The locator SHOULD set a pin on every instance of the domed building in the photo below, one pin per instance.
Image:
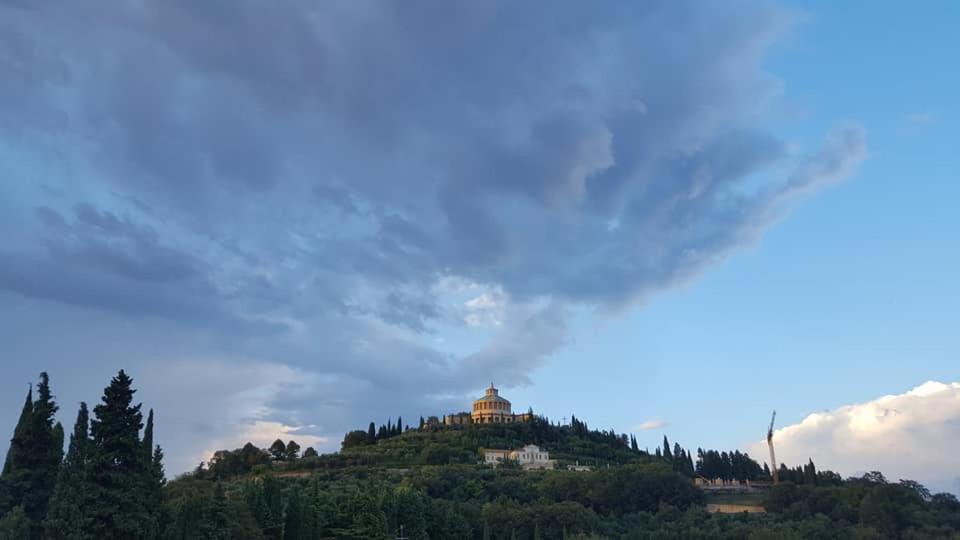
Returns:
(493, 408)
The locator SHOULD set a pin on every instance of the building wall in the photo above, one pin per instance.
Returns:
(457, 419)
(528, 457)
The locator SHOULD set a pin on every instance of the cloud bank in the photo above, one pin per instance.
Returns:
(387, 200)
(913, 436)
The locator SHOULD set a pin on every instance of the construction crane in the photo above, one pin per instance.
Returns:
(773, 459)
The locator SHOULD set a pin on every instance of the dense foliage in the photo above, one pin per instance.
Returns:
(109, 485)
(426, 482)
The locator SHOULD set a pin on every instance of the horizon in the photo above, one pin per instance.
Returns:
(667, 219)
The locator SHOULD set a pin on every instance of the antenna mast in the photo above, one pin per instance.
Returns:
(773, 459)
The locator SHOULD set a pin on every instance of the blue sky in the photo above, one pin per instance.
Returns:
(673, 214)
(850, 297)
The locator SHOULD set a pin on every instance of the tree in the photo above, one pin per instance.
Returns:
(13, 478)
(15, 525)
(309, 452)
(292, 452)
(278, 450)
(666, 449)
(372, 433)
(399, 425)
(66, 518)
(119, 504)
(354, 439)
(30, 472)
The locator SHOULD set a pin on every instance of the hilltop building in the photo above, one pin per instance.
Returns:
(529, 457)
(457, 419)
(493, 408)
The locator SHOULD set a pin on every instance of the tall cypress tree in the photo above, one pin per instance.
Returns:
(152, 478)
(66, 518)
(372, 433)
(666, 449)
(33, 462)
(13, 479)
(119, 507)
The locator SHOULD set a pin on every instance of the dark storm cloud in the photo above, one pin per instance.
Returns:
(303, 180)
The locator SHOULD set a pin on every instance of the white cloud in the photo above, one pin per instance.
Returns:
(912, 435)
(651, 424)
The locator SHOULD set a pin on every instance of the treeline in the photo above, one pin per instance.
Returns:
(373, 434)
(458, 502)
(734, 465)
(451, 502)
(109, 484)
(228, 463)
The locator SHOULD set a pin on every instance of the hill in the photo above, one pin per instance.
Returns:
(430, 482)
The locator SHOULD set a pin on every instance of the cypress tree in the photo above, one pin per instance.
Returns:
(372, 433)
(666, 449)
(399, 425)
(148, 438)
(15, 524)
(152, 473)
(66, 518)
(119, 504)
(33, 462)
(12, 478)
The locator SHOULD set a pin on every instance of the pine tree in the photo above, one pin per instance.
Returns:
(293, 451)
(119, 505)
(278, 450)
(66, 518)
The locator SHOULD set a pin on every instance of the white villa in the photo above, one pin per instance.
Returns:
(529, 457)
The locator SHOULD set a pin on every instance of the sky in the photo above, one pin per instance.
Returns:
(289, 219)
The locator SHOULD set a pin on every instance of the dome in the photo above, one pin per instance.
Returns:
(493, 394)
(491, 408)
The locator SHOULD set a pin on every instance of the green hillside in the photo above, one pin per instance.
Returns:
(461, 444)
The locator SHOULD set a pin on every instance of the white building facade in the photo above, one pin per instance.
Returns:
(529, 457)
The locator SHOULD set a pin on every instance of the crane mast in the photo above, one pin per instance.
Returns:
(773, 460)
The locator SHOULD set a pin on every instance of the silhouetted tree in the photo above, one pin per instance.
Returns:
(278, 450)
